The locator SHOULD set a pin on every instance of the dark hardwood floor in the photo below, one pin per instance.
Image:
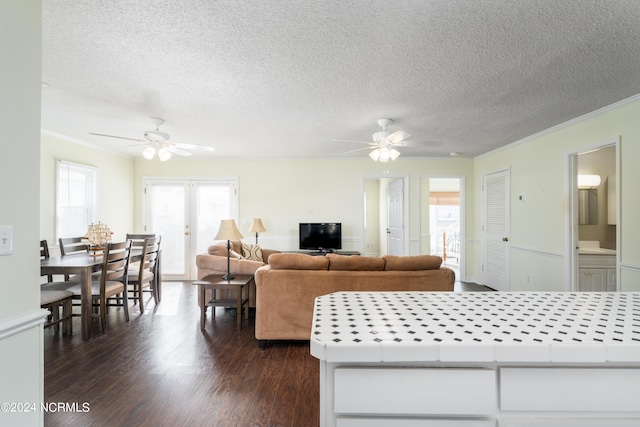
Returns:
(160, 369)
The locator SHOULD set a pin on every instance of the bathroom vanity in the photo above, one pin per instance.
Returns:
(596, 268)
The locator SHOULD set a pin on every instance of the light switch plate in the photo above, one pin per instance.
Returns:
(6, 239)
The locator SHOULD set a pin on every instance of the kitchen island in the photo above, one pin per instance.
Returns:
(478, 359)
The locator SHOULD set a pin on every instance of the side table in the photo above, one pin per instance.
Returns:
(215, 282)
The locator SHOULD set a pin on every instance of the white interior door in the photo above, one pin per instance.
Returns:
(187, 215)
(395, 229)
(495, 230)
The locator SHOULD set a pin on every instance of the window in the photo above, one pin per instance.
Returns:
(76, 205)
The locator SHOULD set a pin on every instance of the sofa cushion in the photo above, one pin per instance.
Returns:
(220, 248)
(298, 262)
(412, 263)
(251, 252)
(355, 263)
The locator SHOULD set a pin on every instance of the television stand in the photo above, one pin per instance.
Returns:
(323, 253)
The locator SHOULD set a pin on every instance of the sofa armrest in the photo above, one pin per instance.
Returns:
(266, 253)
(219, 264)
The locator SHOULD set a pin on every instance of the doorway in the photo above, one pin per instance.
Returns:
(384, 216)
(593, 230)
(442, 220)
(187, 214)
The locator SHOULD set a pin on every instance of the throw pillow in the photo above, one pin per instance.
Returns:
(251, 252)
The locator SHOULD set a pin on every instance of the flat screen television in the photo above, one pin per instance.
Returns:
(320, 236)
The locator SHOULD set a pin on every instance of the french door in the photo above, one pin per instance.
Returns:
(187, 214)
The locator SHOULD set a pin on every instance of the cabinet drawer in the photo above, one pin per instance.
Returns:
(415, 391)
(414, 422)
(566, 389)
(569, 422)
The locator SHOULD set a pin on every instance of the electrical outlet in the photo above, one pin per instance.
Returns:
(6, 239)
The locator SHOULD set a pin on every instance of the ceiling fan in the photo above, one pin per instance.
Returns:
(384, 143)
(157, 142)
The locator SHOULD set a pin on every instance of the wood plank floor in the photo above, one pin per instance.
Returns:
(160, 369)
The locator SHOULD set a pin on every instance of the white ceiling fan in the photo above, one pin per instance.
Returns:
(157, 142)
(384, 143)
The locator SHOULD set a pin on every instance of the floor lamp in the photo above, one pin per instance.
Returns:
(228, 230)
(257, 227)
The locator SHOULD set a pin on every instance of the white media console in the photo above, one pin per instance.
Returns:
(478, 359)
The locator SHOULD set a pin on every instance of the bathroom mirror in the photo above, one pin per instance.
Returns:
(587, 206)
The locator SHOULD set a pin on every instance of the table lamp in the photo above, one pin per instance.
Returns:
(227, 231)
(257, 227)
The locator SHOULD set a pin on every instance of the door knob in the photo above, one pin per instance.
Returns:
(186, 233)
(505, 239)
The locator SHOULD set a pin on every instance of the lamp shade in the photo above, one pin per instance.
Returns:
(256, 226)
(228, 230)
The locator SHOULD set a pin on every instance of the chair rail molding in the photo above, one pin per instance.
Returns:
(15, 325)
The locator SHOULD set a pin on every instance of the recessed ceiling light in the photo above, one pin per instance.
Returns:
(454, 154)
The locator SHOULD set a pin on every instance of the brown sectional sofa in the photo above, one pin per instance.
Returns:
(286, 288)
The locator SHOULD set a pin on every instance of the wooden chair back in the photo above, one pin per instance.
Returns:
(137, 240)
(44, 254)
(115, 263)
(72, 245)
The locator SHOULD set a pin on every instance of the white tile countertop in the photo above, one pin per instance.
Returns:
(522, 327)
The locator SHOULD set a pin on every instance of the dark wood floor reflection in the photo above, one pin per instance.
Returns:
(160, 369)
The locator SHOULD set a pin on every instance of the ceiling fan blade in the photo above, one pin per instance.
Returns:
(397, 137)
(178, 151)
(119, 137)
(358, 149)
(193, 146)
(351, 140)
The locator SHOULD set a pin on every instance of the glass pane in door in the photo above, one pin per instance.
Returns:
(213, 203)
(168, 218)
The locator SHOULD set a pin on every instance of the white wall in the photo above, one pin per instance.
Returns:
(284, 192)
(538, 169)
(21, 351)
(115, 186)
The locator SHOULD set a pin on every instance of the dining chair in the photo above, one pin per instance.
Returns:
(137, 242)
(50, 284)
(53, 296)
(72, 245)
(112, 283)
(145, 275)
(53, 300)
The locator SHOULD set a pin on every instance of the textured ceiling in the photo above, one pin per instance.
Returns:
(287, 78)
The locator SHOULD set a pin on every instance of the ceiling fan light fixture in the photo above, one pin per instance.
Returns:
(164, 154)
(375, 154)
(385, 155)
(393, 153)
(149, 152)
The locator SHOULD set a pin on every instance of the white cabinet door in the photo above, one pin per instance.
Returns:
(592, 280)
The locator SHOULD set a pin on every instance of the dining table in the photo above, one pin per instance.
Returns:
(84, 265)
